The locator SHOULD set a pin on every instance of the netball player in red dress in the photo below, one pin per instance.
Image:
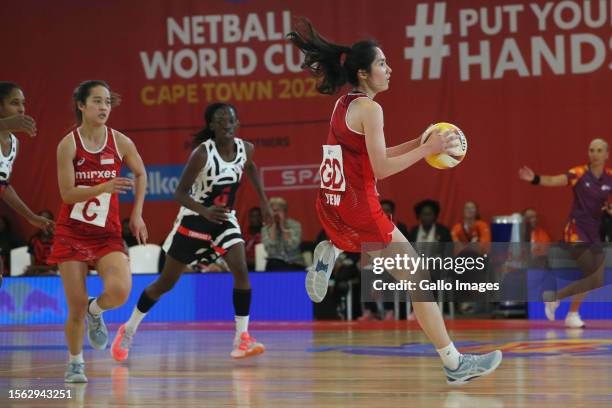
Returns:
(13, 118)
(354, 157)
(88, 231)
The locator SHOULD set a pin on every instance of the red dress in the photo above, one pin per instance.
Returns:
(86, 231)
(348, 204)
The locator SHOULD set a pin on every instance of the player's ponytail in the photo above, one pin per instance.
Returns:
(335, 64)
(207, 133)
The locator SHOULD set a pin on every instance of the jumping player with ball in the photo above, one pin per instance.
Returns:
(354, 157)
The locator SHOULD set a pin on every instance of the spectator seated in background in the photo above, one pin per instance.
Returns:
(388, 208)
(428, 229)
(126, 233)
(472, 238)
(471, 230)
(371, 309)
(8, 241)
(282, 239)
(537, 236)
(429, 232)
(39, 248)
(252, 235)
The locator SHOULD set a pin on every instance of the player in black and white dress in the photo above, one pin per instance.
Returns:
(206, 224)
(12, 117)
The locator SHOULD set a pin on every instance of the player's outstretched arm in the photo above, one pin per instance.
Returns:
(19, 123)
(134, 162)
(251, 171)
(525, 173)
(13, 200)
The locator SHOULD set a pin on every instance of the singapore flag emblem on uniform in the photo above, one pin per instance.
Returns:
(107, 159)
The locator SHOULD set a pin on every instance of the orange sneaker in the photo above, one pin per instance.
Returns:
(246, 346)
(121, 345)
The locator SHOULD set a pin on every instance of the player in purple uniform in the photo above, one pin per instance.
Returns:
(592, 184)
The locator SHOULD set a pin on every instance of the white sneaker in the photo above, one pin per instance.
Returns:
(75, 373)
(473, 366)
(97, 332)
(317, 278)
(573, 320)
(550, 308)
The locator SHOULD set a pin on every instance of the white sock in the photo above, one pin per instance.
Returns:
(571, 314)
(450, 356)
(94, 308)
(242, 325)
(78, 358)
(135, 319)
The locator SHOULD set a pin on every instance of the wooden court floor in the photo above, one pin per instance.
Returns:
(380, 364)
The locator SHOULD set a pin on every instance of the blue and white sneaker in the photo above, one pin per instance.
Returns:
(97, 333)
(317, 278)
(75, 373)
(472, 367)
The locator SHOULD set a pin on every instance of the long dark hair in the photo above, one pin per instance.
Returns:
(6, 88)
(335, 64)
(82, 91)
(207, 133)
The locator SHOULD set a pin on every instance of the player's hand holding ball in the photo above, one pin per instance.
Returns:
(448, 145)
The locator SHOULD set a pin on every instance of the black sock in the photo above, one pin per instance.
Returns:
(242, 301)
(145, 303)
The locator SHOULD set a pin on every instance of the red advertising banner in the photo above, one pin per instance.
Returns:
(527, 81)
